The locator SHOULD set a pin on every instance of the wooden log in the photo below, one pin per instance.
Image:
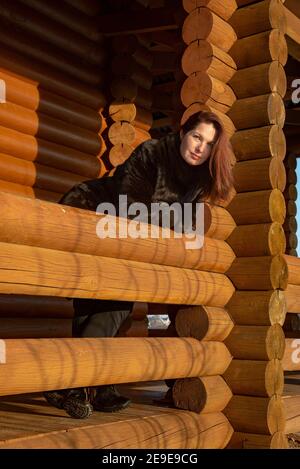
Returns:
(258, 207)
(291, 208)
(30, 21)
(51, 154)
(165, 61)
(131, 45)
(291, 193)
(259, 308)
(36, 175)
(218, 222)
(262, 142)
(261, 174)
(291, 161)
(26, 306)
(292, 252)
(202, 56)
(203, 88)
(61, 278)
(201, 395)
(293, 265)
(262, 16)
(255, 378)
(291, 176)
(256, 342)
(259, 79)
(19, 328)
(270, 240)
(202, 23)
(290, 224)
(137, 430)
(224, 9)
(256, 414)
(259, 49)
(129, 112)
(203, 323)
(119, 360)
(27, 93)
(255, 441)
(120, 153)
(125, 89)
(292, 413)
(258, 111)
(126, 65)
(40, 125)
(48, 54)
(63, 225)
(260, 273)
(291, 358)
(124, 132)
(52, 80)
(20, 190)
(69, 16)
(292, 295)
(291, 240)
(197, 107)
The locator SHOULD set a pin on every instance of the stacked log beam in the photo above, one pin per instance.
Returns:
(206, 61)
(290, 195)
(51, 121)
(260, 271)
(131, 86)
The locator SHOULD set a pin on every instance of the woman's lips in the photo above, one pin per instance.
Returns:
(195, 157)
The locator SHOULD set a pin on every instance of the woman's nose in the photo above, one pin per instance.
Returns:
(201, 146)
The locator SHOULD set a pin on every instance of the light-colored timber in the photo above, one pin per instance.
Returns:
(259, 80)
(75, 275)
(256, 342)
(62, 227)
(223, 8)
(260, 142)
(34, 365)
(262, 16)
(256, 414)
(202, 56)
(255, 377)
(261, 174)
(202, 23)
(270, 240)
(259, 49)
(258, 111)
(141, 426)
(259, 273)
(258, 308)
(200, 87)
(258, 207)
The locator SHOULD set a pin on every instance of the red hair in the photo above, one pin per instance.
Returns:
(219, 164)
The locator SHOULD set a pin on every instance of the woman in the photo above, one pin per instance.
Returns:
(189, 166)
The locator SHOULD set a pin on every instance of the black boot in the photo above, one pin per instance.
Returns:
(108, 399)
(73, 401)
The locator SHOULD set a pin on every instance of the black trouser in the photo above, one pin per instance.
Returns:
(99, 318)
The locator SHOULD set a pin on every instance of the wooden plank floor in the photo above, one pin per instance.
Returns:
(27, 421)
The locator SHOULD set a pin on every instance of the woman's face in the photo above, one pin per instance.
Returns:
(196, 145)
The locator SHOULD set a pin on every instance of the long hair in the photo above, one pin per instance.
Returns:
(219, 165)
